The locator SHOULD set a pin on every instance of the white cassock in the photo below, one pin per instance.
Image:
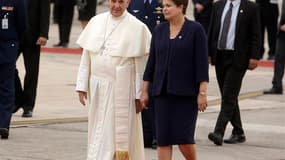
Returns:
(115, 51)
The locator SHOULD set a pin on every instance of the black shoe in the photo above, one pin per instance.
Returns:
(27, 114)
(216, 138)
(274, 90)
(4, 132)
(235, 139)
(61, 44)
(154, 144)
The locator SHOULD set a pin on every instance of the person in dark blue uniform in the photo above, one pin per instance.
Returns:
(150, 13)
(13, 25)
(178, 70)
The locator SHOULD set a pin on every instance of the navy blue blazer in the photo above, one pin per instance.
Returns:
(185, 64)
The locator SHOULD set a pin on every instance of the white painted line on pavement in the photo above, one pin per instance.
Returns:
(247, 126)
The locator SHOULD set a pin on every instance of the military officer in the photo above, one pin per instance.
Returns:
(13, 23)
(150, 13)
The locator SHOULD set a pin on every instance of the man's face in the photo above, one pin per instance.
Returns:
(117, 7)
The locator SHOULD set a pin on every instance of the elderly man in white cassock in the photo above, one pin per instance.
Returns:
(115, 50)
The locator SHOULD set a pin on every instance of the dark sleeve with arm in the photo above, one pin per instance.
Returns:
(21, 18)
(255, 34)
(201, 55)
(45, 18)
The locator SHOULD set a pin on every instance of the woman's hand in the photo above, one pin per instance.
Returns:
(144, 100)
(82, 97)
(202, 102)
(202, 96)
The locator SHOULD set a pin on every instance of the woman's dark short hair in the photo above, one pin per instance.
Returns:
(181, 2)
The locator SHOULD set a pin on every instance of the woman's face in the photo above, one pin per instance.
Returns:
(171, 10)
(117, 7)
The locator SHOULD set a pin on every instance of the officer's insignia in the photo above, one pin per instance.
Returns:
(158, 10)
(136, 11)
(157, 22)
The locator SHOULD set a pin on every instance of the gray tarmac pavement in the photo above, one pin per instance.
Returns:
(58, 129)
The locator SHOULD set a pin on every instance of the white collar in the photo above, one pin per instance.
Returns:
(148, 1)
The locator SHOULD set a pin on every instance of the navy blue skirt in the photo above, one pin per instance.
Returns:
(175, 119)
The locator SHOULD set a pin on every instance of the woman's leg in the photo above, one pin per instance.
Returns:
(164, 152)
(188, 151)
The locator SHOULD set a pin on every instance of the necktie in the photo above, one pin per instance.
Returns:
(226, 27)
(146, 5)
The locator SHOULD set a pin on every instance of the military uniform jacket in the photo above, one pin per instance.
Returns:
(15, 12)
(13, 23)
(150, 16)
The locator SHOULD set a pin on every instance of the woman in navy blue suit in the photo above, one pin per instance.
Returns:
(178, 69)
